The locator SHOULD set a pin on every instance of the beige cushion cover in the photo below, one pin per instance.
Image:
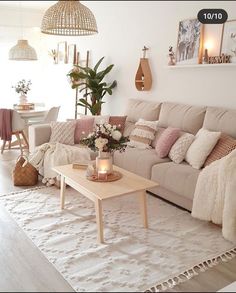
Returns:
(179, 149)
(178, 178)
(138, 161)
(202, 146)
(220, 119)
(187, 118)
(63, 132)
(147, 110)
(224, 146)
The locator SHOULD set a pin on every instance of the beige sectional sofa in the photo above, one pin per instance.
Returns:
(177, 182)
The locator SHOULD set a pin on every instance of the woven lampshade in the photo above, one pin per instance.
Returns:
(69, 18)
(22, 52)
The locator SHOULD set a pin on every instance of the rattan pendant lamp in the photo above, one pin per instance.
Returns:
(69, 18)
(22, 51)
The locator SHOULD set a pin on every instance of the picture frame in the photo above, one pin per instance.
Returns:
(228, 39)
(189, 42)
(72, 54)
(62, 53)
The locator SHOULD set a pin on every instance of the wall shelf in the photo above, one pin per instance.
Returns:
(202, 66)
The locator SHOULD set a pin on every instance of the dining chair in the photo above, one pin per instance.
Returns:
(51, 116)
(18, 126)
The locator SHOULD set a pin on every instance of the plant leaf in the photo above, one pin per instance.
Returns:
(98, 64)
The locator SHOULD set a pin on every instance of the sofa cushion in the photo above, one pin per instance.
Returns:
(178, 178)
(138, 161)
(129, 127)
(142, 109)
(187, 118)
(166, 140)
(63, 132)
(179, 149)
(225, 145)
(83, 127)
(118, 121)
(220, 119)
(143, 134)
(202, 146)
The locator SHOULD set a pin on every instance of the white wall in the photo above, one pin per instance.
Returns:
(124, 27)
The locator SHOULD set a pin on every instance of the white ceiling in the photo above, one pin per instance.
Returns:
(37, 5)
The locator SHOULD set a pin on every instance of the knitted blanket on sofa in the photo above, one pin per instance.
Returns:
(215, 195)
(50, 155)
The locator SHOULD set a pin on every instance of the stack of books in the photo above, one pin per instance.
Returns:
(28, 106)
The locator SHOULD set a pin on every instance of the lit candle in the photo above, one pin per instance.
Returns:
(104, 164)
(102, 175)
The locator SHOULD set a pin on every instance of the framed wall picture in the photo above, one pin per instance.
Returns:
(228, 39)
(62, 53)
(72, 54)
(189, 42)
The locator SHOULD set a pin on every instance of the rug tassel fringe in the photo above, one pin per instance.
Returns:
(194, 271)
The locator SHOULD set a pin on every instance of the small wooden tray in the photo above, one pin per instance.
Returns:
(115, 175)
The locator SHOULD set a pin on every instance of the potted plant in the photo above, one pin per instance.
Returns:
(90, 81)
(22, 88)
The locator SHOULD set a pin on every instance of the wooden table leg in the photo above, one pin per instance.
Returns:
(62, 195)
(143, 207)
(99, 216)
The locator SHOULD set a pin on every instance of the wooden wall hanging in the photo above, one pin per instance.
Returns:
(143, 78)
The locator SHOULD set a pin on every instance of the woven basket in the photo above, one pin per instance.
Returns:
(24, 174)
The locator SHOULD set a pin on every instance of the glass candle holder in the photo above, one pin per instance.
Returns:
(104, 164)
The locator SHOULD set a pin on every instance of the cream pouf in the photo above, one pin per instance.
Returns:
(202, 146)
(180, 147)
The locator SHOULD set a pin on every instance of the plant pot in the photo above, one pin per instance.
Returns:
(104, 162)
(23, 100)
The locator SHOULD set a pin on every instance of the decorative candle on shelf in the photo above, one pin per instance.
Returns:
(102, 175)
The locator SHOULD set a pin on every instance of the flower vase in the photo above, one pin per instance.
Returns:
(104, 162)
(23, 99)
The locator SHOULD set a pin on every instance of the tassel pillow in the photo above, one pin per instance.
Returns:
(166, 140)
(143, 134)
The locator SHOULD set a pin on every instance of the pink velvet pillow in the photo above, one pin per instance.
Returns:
(83, 127)
(119, 121)
(166, 140)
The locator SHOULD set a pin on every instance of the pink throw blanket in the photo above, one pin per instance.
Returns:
(6, 124)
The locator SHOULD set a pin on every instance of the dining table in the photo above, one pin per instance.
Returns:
(38, 114)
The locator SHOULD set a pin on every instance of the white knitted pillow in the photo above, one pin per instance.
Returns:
(63, 132)
(143, 134)
(202, 146)
(179, 149)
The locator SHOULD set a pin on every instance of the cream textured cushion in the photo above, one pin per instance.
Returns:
(143, 134)
(63, 132)
(202, 146)
(180, 147)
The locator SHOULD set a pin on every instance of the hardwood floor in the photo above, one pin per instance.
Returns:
(24, 268)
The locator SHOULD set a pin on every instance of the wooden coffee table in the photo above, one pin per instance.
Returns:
(100, 191)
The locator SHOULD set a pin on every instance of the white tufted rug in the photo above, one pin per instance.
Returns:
(133, 258)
